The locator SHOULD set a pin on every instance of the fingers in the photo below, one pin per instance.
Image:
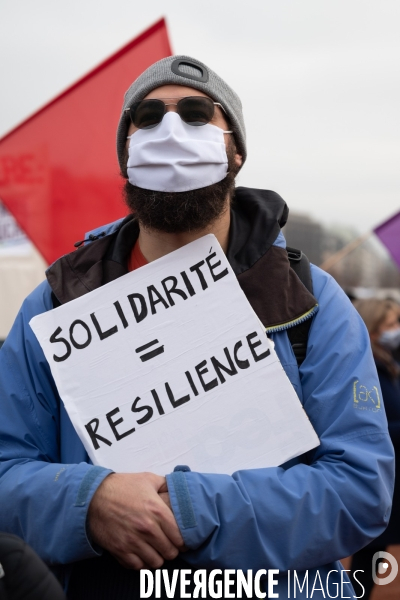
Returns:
(166, 518)
(159, 482)
(131, 520)
(165, 498)
(153, 534)
(164, 487)
(171, 529)
(146, 558)
(131, 561)
(168, 521)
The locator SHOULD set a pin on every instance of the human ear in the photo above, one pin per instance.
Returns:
(238, 160)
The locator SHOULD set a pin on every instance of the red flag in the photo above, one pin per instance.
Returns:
(389, 234)
(59, 173)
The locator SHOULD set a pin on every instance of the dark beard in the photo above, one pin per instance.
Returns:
(176, 212)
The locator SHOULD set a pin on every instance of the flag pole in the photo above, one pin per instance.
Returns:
(340, 254)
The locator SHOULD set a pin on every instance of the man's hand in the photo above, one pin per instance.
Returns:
(128, 518)
(164, 495)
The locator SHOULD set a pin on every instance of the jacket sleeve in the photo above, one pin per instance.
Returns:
(327, 506)
(42, 500)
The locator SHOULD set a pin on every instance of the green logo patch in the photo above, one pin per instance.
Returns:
(365, 399)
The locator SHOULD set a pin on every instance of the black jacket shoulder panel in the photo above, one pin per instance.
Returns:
(256, 220)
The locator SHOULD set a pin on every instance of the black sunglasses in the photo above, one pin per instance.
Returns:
(193, 110)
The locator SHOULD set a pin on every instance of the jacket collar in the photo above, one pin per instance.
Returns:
(257, 217)
(273, 289)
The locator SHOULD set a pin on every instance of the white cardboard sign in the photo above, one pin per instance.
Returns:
(170, 365)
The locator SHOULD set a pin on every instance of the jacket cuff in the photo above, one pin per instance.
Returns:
(88, 486)
(183, 506)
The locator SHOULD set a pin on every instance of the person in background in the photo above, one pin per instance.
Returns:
(23, 575)
(382, 320)
(396, 352)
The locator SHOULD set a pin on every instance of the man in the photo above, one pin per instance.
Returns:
(180, 142)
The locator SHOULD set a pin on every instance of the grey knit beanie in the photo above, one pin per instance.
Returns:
(182, 70)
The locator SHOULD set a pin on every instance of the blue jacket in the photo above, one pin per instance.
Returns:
(304, 515)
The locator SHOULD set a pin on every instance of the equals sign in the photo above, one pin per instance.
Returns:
(150, 354)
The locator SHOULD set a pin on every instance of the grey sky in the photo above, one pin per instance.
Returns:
(319, 81)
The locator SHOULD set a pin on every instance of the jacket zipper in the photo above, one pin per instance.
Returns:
(307, 315)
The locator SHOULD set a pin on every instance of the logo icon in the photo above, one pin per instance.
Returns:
(365, 399)
(383, 568)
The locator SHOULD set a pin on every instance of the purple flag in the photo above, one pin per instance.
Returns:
(389, 234)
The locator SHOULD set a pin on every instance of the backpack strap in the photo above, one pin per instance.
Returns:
(301, 266)
(298, 335)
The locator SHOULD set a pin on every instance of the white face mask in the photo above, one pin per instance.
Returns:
(177, 157)
(390, 339)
